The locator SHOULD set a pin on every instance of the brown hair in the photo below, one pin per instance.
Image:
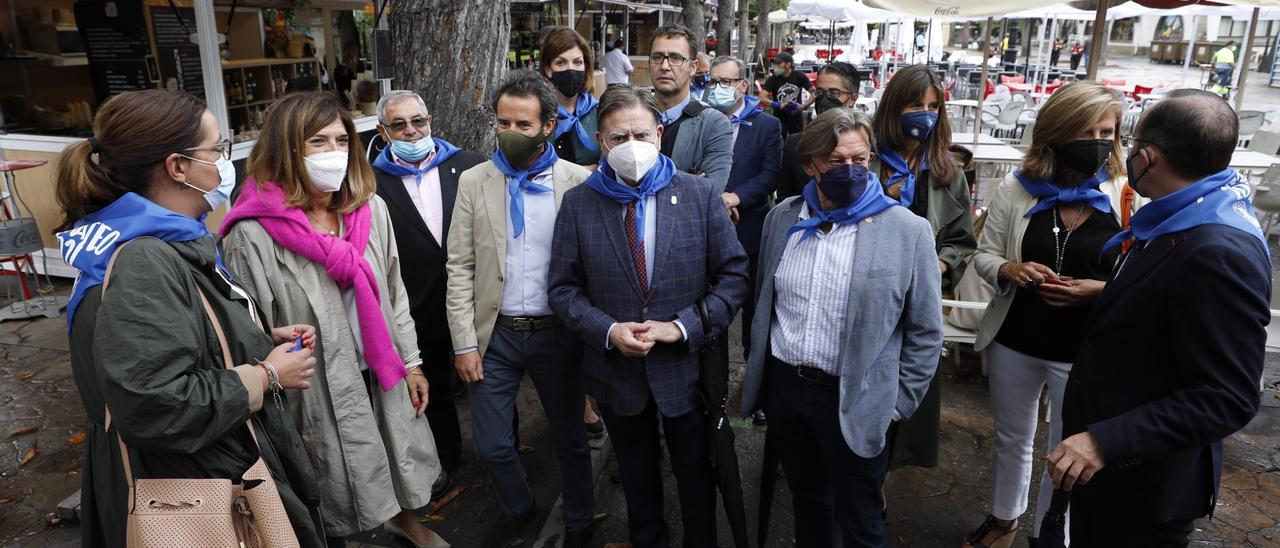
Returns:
(627, 96)
(279, 156)
(561, 39)
(823, 133)
(1069, 112)
(133, 133)
(906, 87)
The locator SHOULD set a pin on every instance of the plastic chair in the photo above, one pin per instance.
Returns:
(1020, 79)
(1250, 122)
(1139, 91)
(1007, 121)
(1116, 83)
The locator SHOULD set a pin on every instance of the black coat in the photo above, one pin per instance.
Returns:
(422, 258)
(1168, 367)
(792, 179)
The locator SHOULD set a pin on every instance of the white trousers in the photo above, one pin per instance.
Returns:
(1016, 381)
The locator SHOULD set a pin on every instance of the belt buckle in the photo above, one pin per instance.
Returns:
(522, 324)
(811, 376)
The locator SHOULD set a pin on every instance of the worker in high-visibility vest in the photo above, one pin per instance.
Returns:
(1224, 64)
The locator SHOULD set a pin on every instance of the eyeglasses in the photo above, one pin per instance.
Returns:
(399, 125)
(676, 61)
(837, 94)
(726, 82)
(223, 147)
(1128, 141)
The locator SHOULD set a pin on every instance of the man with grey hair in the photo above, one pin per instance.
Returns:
(503, 326)
(417, 176)
(847, 332)
(757, 149)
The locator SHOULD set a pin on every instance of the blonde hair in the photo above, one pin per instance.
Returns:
(279, 156)
(1068, 113)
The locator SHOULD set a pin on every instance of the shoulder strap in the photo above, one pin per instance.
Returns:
(1127, 197)
(226, 356)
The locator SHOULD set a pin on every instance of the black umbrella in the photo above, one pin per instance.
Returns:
(1053, 527)
(713, 382)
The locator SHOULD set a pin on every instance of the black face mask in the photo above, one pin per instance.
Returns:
(1084, 156)
(825, 103)
(569, 82)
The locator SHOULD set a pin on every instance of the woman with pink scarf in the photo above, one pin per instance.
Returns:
(308, 238)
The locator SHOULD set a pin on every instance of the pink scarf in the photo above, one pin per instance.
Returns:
(343, 260)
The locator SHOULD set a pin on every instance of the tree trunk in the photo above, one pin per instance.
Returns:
(454, 54)
(695, 21)
(762, 27)
(724, 27)
(744, 30)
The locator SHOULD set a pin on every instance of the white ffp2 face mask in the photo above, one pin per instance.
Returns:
(327, 170)
(632, 159)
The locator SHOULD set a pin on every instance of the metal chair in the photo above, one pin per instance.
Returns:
(1266, 198)
(1266, 142)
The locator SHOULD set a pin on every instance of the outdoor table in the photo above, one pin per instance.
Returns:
(964, 104)
(1249, 160)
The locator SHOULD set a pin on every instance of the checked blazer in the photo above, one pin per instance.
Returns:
(593, 284)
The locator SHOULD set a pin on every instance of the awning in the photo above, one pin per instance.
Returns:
(839, 10)
(641, 6)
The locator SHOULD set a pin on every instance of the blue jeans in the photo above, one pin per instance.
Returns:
(552, 358)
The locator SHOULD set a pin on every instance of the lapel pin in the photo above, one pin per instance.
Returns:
(674, 201)
(453, 170)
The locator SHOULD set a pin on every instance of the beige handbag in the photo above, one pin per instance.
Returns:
(204, 512)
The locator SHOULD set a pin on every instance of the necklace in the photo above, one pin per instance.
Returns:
(1060, 248)
(334, 232)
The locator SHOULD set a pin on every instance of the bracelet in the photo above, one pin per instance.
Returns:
(1000, 271)
(273, 382)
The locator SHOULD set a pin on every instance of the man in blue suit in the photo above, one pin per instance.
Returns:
(757, 152)
(639, 253)
(1174, 349)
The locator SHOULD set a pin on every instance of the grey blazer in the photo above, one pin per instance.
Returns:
(705, 145)
(893, 328)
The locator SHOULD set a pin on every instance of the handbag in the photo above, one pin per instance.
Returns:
(204, 512)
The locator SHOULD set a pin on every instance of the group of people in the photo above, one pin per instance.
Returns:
(605, 243)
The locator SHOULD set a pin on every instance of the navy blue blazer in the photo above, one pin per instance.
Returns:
(593, 284)
(757, 164)
(1168, 367)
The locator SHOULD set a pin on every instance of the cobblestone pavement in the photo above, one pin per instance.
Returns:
(928, 507)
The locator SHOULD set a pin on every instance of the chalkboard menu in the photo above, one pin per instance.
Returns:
(115, 39)
(178, 57)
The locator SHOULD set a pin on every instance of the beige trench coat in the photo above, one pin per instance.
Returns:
(375, 458)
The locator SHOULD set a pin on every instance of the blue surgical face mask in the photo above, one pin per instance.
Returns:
(722, 98)
(918, 125)
(413, 152)
(221, 194)
(843, 184)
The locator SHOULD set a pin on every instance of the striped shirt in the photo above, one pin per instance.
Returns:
(811, 297)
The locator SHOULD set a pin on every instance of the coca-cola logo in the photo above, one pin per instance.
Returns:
(949, 11)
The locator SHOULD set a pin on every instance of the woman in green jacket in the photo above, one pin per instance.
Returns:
(135, 196)
(912, 138)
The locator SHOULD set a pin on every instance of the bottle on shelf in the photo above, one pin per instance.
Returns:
(250, 86)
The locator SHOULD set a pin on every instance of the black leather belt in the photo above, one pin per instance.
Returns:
(815, 375)
(527, 323)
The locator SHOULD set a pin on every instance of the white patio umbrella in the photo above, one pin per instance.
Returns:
(840, 10)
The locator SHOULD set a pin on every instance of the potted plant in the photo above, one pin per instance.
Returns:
(367, 94)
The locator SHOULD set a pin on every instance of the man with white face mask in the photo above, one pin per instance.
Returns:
(757, 152)
(646, 270)
(417, 176)
(502, 325)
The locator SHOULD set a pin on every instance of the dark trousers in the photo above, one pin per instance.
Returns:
(1075, 61)
(1053, 57)
(830, 484)
(749, 305)
(551, 357)
(442, 410)
(636, 444)
(1103, 517)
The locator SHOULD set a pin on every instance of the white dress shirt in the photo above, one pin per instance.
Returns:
(811, 297)
(738, 114)
(424, 190)
(617, 67)
(528, 261)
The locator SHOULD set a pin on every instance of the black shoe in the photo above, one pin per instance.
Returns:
(508, 529)
(580, 538)
(442, 486)
(758, 418)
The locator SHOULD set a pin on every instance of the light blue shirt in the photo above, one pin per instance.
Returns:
(672, 114)
(524, 291)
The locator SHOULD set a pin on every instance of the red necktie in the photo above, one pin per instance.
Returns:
(637, 248)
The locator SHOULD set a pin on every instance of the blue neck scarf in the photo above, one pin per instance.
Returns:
(750, 108)
(89, 245)
(384, 162)
(1222, 198)
(872, 201)
(1051, 194)
(902, 172)
(605, 181)
(520, 180)
(573, 121)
